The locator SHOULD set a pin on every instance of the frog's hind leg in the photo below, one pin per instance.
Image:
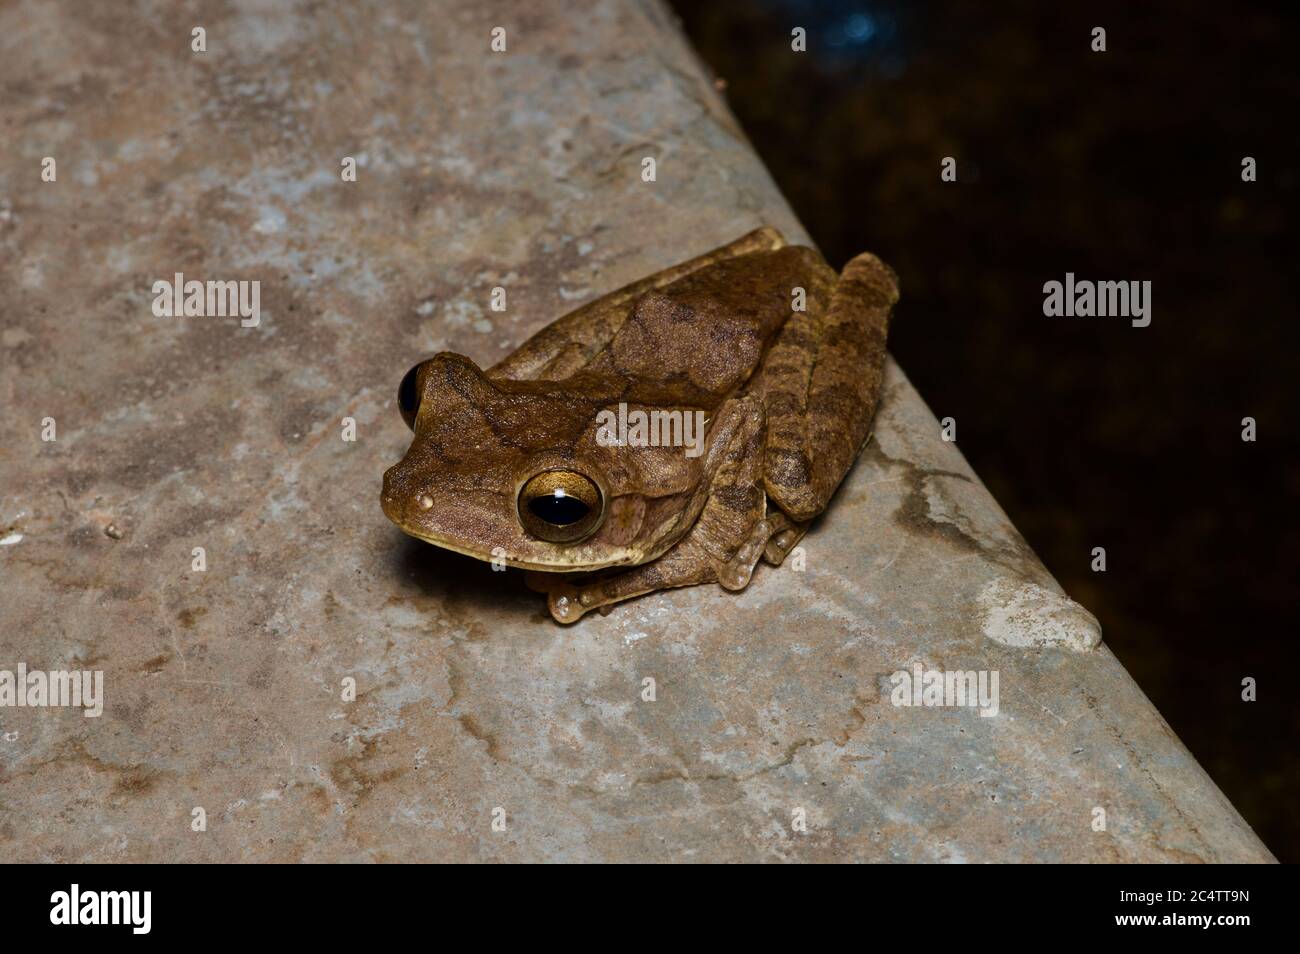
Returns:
(820, 383)
(726, 541)
(566, 345)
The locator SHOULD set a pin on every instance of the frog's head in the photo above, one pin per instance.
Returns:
(512, 471)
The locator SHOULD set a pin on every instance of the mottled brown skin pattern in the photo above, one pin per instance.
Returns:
(789, 398)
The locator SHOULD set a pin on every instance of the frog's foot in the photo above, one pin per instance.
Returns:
(563, 593)
(735, 573)
(691, 562)
(565, 603)
(785, 534)
(569, 600)
(688, 564)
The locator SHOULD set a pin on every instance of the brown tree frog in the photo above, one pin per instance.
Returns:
(673, 432)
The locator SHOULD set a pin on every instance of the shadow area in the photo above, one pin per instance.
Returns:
(465, 590)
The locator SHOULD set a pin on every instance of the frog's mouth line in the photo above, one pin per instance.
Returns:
(621, 558)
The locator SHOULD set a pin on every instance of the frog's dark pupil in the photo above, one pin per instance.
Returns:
(558, 511)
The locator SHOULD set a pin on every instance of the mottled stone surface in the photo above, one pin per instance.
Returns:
(223, 687)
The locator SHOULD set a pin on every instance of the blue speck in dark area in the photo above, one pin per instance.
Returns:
(848, 34)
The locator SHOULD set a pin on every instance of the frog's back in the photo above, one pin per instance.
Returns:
(705, 334)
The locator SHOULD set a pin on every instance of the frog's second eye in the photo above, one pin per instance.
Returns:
(560, 506)
(408, 395)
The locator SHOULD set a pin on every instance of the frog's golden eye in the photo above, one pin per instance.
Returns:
(560, 506)
(408, 395)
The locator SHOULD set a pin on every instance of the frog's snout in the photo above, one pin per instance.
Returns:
(397, 501)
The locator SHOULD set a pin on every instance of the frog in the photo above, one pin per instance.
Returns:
(778, 357)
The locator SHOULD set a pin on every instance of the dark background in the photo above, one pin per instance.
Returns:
(1123, 165)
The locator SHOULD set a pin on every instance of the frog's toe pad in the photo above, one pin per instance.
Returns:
(735, 575)
(779, 547)
(565, 602)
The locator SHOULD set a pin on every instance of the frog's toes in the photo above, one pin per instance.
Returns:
(735, 573)
(785, 534)
(735, 576)
(779, 547)
(566, 603)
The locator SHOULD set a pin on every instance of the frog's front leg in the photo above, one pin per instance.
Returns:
(727, 539)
